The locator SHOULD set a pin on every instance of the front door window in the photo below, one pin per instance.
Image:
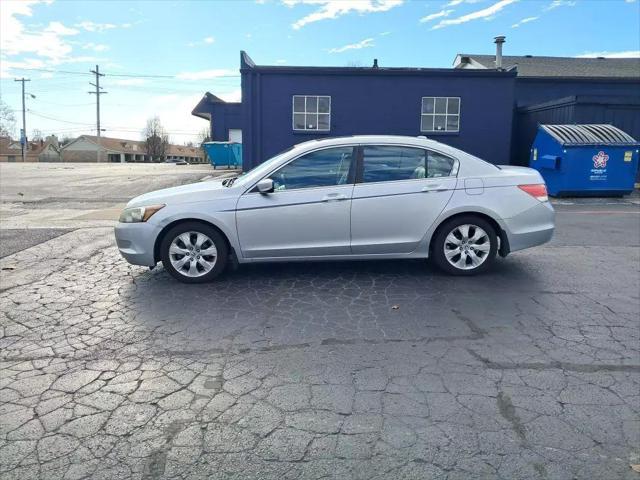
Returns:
(322, 168)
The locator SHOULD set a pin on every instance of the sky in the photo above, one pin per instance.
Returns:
(160, 57)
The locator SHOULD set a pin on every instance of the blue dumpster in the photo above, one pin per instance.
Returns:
(585, 160)
(226, 154)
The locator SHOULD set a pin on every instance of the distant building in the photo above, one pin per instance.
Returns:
(487, 105)
(46, 150)
(85, 148)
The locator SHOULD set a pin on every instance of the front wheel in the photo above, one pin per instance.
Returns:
(194, 252)
(465, 245)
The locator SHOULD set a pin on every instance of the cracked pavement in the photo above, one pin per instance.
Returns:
(377, 370)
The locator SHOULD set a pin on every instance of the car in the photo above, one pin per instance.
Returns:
(349, 198)
(176, 161)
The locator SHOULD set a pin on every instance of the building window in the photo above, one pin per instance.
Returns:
(440, 114)
(311, 113)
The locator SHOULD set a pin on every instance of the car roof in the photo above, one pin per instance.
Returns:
(420, 141)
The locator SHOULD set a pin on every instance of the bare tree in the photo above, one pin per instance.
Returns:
(36, 135)
(66, 139)
(156, 140)
(7, 121)
(203, 136)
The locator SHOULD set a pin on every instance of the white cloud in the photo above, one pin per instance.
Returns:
(233, 96)
(605, 54)
(366, 43)
(17, 39)
(204, 41)
(433, 16)
(96, 47)
(206, 74)
(90, 26)
(524, 20)
(281, 61)
(453, 3)
(7, 65)
(485, 13)
(58, 28)
(130, 81)
(560, 3)
(332, 9)
(384, 34)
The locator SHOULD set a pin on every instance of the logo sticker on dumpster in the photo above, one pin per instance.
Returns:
(599, 170)
(600, 160)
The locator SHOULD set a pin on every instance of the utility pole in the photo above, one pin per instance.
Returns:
(23, 139)
(97, 93)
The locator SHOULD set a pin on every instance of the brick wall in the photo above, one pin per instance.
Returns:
(82, 156)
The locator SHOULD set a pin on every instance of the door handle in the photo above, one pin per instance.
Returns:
(333, 197)
(434, 188)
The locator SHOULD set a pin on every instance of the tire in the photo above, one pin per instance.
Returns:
(463, 252)
(194, 252)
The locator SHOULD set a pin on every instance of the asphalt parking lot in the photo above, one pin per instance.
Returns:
(377, 370)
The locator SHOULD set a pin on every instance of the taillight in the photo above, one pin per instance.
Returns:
(537, 190)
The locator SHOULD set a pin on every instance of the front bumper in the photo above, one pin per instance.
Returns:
(530, 228)
(136, 242)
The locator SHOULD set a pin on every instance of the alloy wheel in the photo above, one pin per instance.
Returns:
(467, 246)
(193, 254)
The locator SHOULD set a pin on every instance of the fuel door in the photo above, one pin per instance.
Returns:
(473, 186)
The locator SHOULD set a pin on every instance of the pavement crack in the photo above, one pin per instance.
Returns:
(554, 365)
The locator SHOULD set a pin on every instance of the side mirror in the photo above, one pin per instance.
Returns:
(265, 185)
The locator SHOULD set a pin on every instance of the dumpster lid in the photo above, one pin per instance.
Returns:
(603, 134)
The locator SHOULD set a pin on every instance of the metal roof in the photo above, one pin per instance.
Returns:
(589, 135)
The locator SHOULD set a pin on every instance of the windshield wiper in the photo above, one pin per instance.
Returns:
(229, 181)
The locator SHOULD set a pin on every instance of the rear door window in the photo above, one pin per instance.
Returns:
(388, 163)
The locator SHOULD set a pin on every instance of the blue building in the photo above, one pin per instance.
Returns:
(484, 105)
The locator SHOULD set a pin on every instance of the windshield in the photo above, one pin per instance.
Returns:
(257, 172)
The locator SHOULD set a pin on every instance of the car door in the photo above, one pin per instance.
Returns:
(399, 193)
(307, 214)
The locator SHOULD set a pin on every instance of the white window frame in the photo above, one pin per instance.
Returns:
(446, 115)
(305, 113)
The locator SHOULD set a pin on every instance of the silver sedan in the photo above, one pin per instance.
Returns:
(360, 197)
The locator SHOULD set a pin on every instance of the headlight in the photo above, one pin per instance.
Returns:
(138, 214)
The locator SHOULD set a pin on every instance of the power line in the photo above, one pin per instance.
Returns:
(58, 119)
(128, 75)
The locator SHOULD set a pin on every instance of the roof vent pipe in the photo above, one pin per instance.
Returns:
(499, 41)
(375, 63)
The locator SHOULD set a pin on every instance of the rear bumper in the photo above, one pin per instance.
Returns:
(136, 242)
(530, 228)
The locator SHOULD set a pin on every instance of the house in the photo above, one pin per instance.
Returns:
(87, 148)
(47, 150)
(479, 106)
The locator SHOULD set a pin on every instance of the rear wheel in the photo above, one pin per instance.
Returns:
(465, 245)
(194, 252)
